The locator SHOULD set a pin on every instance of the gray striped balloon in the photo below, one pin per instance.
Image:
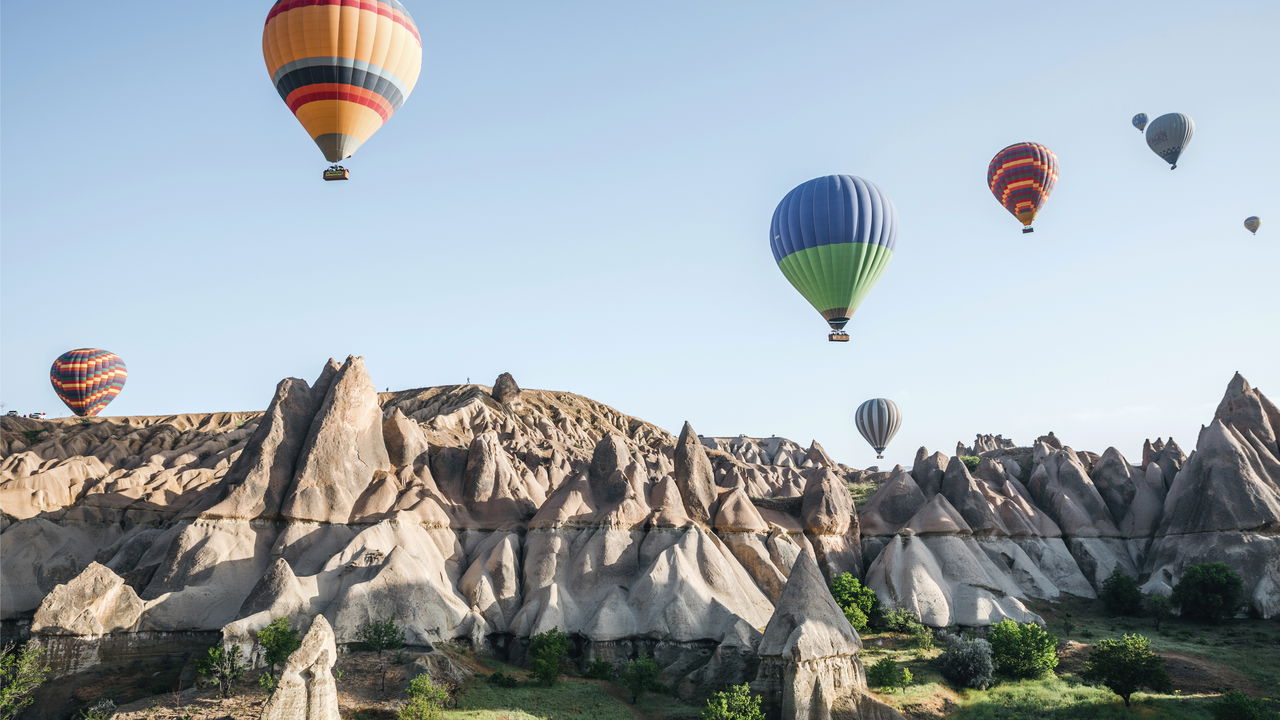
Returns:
(1169, 135)
(878, 420)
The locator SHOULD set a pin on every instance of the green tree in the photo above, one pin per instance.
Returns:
(426, 700)
(966, 663)
(1126, 665)
(1022, 650)
(1210, 592)
(859, 602)
(22, 670)
(885, 673)
(547, 654)
(640, 675)
(733, 703)
(1120, 594)
(278, 641)
(223, 665)
(1235, 705)
(380, 635)
(971, 462)
(600, 670)
(104, 709)
(1159, 607)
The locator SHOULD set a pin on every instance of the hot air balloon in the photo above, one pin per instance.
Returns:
(1168, 135)
(87, 379)
(1140, 121)
(1021, 177)
(832, 237)
(878, 419)
(343, 67)
(1252, 223)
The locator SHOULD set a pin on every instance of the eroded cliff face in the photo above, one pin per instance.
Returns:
(493, 514)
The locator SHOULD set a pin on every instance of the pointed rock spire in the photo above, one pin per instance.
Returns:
(694, 475)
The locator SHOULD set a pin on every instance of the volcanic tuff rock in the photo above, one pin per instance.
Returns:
(468, 514)
(306, 689)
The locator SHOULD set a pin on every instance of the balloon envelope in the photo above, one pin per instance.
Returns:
(342, 66)
(832, 237)
(1021, 177)
(1252, 223)
(1140, 121)
(878, 419)
(87, 379)
(1169, 135)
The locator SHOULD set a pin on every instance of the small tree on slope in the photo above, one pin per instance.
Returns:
(1126, 665)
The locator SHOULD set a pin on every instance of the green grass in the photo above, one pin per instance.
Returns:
(570, 699)
(1053, 698)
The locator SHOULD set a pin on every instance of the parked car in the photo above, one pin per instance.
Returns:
(12, 413)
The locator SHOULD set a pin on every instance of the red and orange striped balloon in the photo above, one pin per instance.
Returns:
(87, 379)
(1021, 177)
(342, 66)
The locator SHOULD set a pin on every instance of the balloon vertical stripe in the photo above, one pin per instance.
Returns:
(878, 419)
(87, 379)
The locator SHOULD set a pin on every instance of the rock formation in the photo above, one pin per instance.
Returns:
(306, 689)
(489, 517)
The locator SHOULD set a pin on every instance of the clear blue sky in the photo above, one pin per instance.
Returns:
(580, 193)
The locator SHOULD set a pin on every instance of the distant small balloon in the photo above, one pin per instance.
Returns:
(1252, 223)
(878, 419)
(1169, 135)
(1140, 121)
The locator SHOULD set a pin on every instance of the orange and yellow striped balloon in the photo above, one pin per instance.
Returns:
(342, 66)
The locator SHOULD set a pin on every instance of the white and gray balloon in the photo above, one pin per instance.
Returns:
(878, 419)
(1169, 135)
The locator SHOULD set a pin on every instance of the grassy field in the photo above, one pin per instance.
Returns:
(570, 699)
(1203, 661)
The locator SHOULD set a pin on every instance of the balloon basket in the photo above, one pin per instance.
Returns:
(879, 457)
(1026, 230)
(838, 336)
(337, 172)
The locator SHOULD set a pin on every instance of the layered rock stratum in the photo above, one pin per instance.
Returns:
(491, 514)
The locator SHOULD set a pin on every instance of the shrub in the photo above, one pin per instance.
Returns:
(885, 673)
(278, 641)
(102, 710)
(1235, 705)
(858, 601)
(426, 700)
(1159, 607)
(1120, 594)
(1125, 665)
(1210, 591)
(1023, 651)
(547, 653)
(223, 666)
(640, 675)
(922, 636)
(380, 635)
(600, 670)
(21, 672)
(733, 703)
(899, 620)
(502, 680)
(971, 461)
(966, 663)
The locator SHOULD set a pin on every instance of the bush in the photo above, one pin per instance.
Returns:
(21, 672)
(600, 670)
(1235, 705)
(885, 673)
(1022, 651)
(858, 601)
(278, 641)
(899, 620)
(1120, 594)
(1210, 592)
(1159, 607)
(922, 637)
(502, 680)
(426, 700)
(223, 666)
(733, 703)
(966, 663)
(101, 710)
(380, 635)
(1125, 665)
(547, 653)
(640, 675)
(971, 461)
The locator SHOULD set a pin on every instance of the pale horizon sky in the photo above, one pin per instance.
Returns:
(580, 193)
